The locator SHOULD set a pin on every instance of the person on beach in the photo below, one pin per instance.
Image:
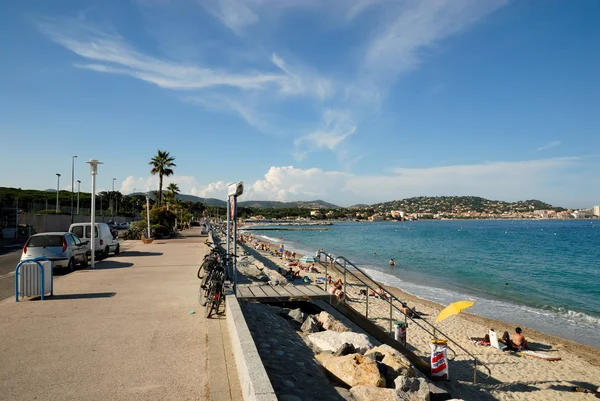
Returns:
(392, 263)
(518, 342)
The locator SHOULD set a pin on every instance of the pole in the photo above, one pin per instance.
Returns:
(57, 190)
(234, 244)
(93, 221)
(112, 202)
(72, 184)
(148, 212)
(78, 191)
(228, 224)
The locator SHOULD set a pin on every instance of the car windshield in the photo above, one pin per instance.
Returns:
(45, 240)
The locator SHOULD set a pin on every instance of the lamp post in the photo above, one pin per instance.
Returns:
(57, 189)
(72, 184)
(78, 191)
(148, 210)
(233, 191)
(112, 203)
(93, 171)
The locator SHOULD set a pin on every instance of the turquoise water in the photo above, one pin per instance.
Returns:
(539, 274)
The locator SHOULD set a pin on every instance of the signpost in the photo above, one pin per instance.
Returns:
(233, 191)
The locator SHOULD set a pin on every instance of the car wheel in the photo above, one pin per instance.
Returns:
(71, 265)
(105, 255)
(117, 249)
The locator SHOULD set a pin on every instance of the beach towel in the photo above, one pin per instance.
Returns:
(494, 341)
(539, 355)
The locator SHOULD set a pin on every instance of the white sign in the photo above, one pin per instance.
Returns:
(235, 189)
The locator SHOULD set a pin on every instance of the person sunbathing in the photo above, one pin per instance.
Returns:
(382, 294)
(518, 342)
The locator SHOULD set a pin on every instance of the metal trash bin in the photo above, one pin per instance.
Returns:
(34, 277)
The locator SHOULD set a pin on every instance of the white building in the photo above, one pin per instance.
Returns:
(583, 213)
(597, 211)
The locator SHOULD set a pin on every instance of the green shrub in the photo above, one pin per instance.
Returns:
(136, 229)
(160, 231)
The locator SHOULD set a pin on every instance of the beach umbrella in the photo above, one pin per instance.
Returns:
(308, 259)
(454, 309)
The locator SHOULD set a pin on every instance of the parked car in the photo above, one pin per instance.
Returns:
(63, 249)
(106, 241)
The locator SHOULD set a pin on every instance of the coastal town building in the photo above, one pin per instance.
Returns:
(597, 211)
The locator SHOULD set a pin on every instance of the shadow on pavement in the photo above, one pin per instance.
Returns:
(110, 264)
(90, 295)
(138, 253)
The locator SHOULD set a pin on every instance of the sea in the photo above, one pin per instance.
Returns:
(542, 274)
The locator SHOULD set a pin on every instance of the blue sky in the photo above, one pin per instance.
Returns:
(349, 101)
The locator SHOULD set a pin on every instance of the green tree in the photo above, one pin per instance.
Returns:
(172, 190)
(162, 165)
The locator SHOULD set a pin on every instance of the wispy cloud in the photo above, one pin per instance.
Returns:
(335, 128)
(552, 144)
(415, 27)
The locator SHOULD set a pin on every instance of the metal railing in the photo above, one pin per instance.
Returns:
(346, 268)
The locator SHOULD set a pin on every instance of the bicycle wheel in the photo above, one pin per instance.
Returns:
(202, 292)
(210, 301)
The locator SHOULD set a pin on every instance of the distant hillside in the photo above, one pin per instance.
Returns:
(316, 204)
(454, 204)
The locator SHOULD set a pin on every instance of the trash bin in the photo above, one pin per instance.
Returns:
(400, 332)
(439, 361)
(34, 277)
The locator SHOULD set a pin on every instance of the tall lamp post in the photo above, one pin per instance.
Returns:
(72, 184)
(148, 211)
(57, 189)
(78, 191)
(112, 202)
(93, 171)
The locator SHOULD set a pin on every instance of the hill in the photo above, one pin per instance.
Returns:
(458, 204)
(316, 204)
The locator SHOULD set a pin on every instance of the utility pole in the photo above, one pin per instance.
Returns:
(112, 202)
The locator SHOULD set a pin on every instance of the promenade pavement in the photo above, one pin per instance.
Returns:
(122, 331)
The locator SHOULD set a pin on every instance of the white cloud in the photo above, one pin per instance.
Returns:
(550, 180)
(121, 58)
(335, 128)
(416, 26)
(213, 190)
(549, 145)
(289, 183)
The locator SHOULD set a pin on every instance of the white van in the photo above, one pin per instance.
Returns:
(105, 242)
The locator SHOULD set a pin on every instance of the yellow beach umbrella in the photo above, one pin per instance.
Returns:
(454, 309)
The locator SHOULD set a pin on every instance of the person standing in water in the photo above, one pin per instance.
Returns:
(392, 263)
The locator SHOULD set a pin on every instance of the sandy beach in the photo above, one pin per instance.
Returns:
(514, 376)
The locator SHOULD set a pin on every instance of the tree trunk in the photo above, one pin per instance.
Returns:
(160, 182)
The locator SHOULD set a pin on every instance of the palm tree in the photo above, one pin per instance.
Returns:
(173, 190)
(161, 165)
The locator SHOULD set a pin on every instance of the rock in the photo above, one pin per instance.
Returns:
(311, 325)
(279, 353)
(345, 349)
(412, 388)
(436, 393)
(397, 364)
(328, 322)
(297, 315)
(289, 384)
(367, 393)
(353, 369)
(332, 340)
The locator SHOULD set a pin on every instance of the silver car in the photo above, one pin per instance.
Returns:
(63, 249)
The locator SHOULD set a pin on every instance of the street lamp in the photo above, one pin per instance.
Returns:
(78, 190)
(112, 202)
(57, 189)
(93, 171)
(148, 209)
(72, 184)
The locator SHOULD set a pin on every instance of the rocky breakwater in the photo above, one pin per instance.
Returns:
(370, 372)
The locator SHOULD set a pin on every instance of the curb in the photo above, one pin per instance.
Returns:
(254, 380)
